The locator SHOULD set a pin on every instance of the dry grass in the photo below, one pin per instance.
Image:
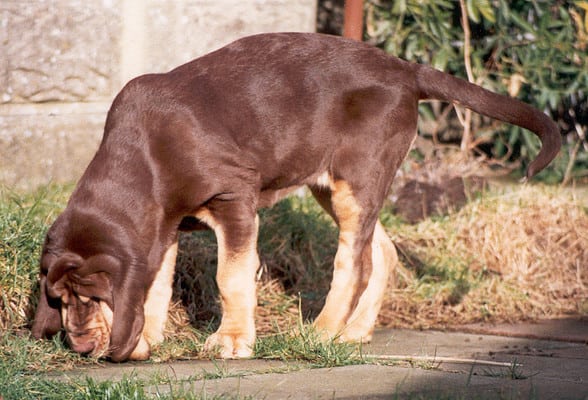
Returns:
(513, 254)
(297, 244)
(518, 255)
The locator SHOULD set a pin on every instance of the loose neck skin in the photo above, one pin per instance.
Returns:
(115, 195)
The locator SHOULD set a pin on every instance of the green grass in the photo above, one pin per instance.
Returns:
(41, 388)
(305, 345)
(126, 388)
(24, 220)
(24, 362)
(297, 246)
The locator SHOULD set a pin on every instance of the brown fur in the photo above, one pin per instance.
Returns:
(215, 139)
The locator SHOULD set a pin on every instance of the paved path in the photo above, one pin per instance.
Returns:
(442, 365)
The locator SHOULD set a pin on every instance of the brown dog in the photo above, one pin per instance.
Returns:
(214, 140)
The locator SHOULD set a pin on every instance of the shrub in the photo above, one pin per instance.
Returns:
(534, 50)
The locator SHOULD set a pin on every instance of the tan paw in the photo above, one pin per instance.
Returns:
(230, 345)
(356, 336)
(153, 338)
(355, 332)
(142, 351)
(326, 328)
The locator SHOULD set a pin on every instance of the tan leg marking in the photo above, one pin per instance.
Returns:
(360, 325)
(142, 351)
(344, 285)
(235, 277)
(156, 306)
(159, 296)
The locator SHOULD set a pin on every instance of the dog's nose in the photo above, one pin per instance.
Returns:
(81, 346)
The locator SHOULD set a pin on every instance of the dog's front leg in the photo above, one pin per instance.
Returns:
(238, 262)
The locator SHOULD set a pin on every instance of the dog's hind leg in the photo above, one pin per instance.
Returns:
(360, 325)
(353, 262)
(372, 263)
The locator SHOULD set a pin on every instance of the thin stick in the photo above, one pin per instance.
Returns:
(572, 161)
(437, 359)
(467, 123)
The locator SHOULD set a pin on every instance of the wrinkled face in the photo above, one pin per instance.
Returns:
(77, 294)
(93, 287)
(87, 323)
(84, 293)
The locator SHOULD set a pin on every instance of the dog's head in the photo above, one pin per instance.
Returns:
(93, 297)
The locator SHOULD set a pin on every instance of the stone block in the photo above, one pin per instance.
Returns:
(48, 143)
(181, 30)
(58, 50)
(63, 61)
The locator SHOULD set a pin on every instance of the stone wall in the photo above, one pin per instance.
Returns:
(63, 61)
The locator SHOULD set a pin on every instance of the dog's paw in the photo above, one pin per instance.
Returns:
(153, 338)
(356, 332)
(326, 328)
(230, 345)
(356, 336)
(142, 351)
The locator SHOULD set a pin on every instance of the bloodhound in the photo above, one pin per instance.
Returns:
(212, 141)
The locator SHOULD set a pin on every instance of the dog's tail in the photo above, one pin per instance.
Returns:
(437, 85)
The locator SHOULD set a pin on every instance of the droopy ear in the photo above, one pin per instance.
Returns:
(128, 321)
(58, 272)
(47, 320)
(95, 278)
(128, 315)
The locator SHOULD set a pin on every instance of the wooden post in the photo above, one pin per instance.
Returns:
(353, 20)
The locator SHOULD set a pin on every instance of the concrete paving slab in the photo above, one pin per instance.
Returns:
(569, 329)
(383, 382)
(448, 365)
(557, 361)
(179, 370)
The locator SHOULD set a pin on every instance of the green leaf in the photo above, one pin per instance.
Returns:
(441, 58)
(477, 8)
(399, 7)
(522, 23)
(487, 10)
(472, 10)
